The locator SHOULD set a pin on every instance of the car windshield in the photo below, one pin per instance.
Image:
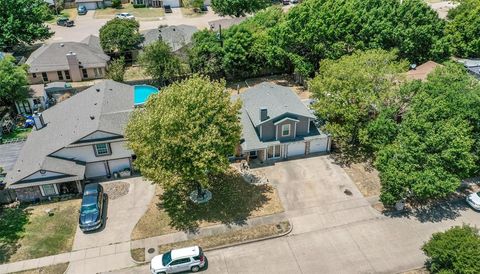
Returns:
(89, 208)
(167, 258)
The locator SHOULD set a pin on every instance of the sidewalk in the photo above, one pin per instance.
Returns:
(117, 256)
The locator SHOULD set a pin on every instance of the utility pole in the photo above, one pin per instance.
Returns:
(219, 35)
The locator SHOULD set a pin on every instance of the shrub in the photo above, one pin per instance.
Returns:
(137, 6)
(117, 4)
(456, 250)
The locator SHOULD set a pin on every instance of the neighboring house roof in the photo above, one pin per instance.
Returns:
(421, 72)
(88, 1)
(225, 23)
(103, 107)
(472, 65)
(175, 36)
(278, 100)
(52, 57)
(37, 91)
(93, 42)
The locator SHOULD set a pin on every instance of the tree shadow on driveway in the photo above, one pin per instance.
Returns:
(433, 213)
(233, 201)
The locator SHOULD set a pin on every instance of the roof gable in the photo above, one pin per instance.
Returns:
(278, 100)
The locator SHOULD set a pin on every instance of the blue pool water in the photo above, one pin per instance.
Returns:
(141, 93)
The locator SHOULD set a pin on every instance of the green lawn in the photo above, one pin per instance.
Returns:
(17, 133)
(29, 232)
(70, 13)
(137, 12)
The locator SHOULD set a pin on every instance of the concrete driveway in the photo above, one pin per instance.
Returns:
(316, 194)
(122, 216)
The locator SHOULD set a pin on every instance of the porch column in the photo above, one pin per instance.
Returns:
(79, 187)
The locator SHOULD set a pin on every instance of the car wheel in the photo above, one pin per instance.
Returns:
(195, 268)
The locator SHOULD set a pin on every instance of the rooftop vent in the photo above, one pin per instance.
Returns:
(92, 117)
(62, 45)
(98, 90)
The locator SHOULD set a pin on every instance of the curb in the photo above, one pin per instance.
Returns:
(237, 244)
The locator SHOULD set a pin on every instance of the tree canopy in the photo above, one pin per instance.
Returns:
(22, 22)
(159, 62)
(352, 93)
(463, 29)
(238, 8)
(186, 131)
(13, 81)
(437, 142)
(456, 250)
(120, 36)
(319, 29)
(116, 69)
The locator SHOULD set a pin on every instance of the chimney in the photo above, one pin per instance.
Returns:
(74, 67)
(38, 120)
(263, 114)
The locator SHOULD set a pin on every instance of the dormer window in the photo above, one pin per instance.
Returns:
(102, 149)
(286, 130)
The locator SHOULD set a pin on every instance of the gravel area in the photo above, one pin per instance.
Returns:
(116, 189)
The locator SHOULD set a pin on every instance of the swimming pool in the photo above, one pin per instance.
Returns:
(141, 94)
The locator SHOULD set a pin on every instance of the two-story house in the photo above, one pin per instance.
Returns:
(68, 61)
(80, 138)
(277, 125)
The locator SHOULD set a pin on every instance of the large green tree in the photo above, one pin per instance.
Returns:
(116, 70)
(438, 140)
(352, 93)
(463, 29)
(319, 29)
(248, 49)
(186, 131)
(159, 62)
(238, 8)
(13, 81)
(456, 250)
(120, 36)
(22, 22)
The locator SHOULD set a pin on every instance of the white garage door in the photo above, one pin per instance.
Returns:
(172, 3)
(95, 170)
(118, 165)
(89, 5)
(318, 145)
(296, 149)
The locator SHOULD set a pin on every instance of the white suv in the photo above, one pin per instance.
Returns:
(178, 260)
(125, 15)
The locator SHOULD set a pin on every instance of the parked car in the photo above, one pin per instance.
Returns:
(178, 260)
(204, 8)
(64, 21)
(286, 2)
(168, 9)
(82, 10)
(294, 1)
(125, 15)
(91, 210)
(474, 200)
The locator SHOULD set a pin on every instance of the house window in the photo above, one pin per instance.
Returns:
(102, 149)
(45, 76)
(48, 190)
(34, 75)
(286, 130)
(85, 73)
(139, 2)
(67, 74)
(60, 75)
(98, 72)
(273, 152)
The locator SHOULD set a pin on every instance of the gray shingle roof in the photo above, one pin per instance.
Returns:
(70, 121)
(52, 57)
(277, 99)
(225, 23)
(175, 36)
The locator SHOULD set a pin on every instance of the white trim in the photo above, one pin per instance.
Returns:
(276, 132)
(274, 152)
(289, 130)
(261, 132)
(43, 192)
(308, 125)
(107, 146)
(295, 131)
(285, 119)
